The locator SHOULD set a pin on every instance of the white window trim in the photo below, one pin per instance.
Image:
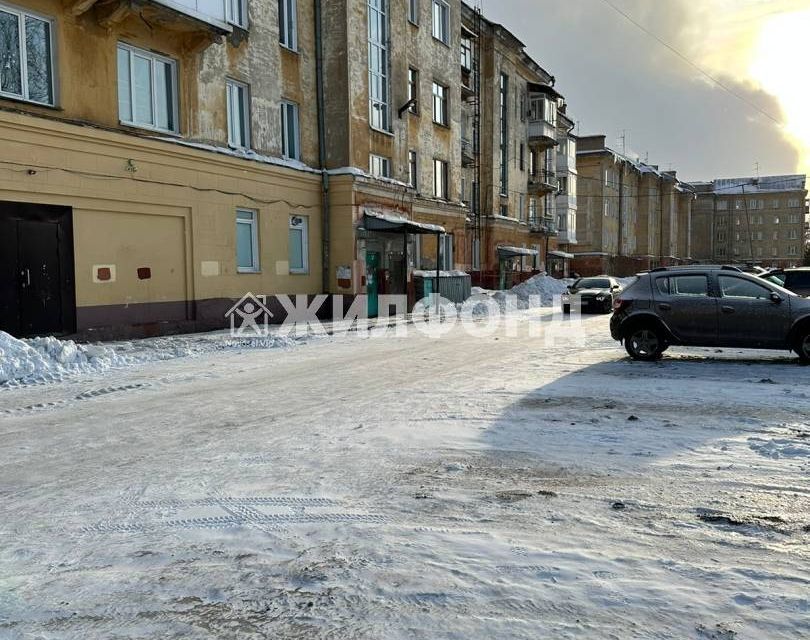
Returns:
(21, 14)
(413, 169)
(444, 101)
(384, 74)
(441, 178)
(153, 57)
(233, 19)
(253, 223)
(384, 163)
(304, 226)
(285, 140)
(291, 7)
(445, 28)
(230, 86)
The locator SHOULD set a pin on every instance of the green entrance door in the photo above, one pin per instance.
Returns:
(372, 284)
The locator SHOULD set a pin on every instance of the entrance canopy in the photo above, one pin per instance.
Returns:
(561, 254)
(393, 223)
(515, 252)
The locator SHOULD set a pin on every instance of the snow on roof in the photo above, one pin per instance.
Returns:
(732, 186)
(517, 251)
(394, 221)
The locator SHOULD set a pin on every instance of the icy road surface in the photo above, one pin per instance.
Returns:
(465, 488)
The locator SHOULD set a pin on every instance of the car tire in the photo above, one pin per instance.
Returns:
(645, 343)
(567, 309)
(802, 346)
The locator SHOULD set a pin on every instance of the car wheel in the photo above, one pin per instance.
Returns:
(803, 346)
(645, 343)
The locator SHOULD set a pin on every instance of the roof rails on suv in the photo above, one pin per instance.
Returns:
(703, 267)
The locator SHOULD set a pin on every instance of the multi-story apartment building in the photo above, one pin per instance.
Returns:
(751, 220)
(631, 215)
(511, 117)
(162, 158)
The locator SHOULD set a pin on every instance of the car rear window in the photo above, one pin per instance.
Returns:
(683, 285)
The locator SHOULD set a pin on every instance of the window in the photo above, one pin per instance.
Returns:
(413, 90)
(290, 132)
(413, 169)
(793, 234)
(522, 157)
(504, 132)
(793, 203)
(441, 21)
(440, 179)
(466, 53)
(776, 220)
(794, 218)
(684, 286)
(299, 245)
(379, 166)
(413, 11)
(722, 205)
(732, 287)
(238, 114)
(26, 56)
(288, 24)
(446, 258)
(775, 204)
(247, 241)
(378, 80)
(440, 110)
(236, 12)
(793, 250)
(522, 207)
(147, 89)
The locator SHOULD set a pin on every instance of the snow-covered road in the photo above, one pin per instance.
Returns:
(411, 489)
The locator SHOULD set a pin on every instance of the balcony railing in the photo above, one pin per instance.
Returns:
(176, 15)
(543, 224)
(468, 152)
(544, 181)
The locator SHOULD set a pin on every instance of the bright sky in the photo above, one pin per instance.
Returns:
(619, 80)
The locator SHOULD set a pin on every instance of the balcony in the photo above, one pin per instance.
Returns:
(543, 182)
(205, 18)
(468, 91)
(544, 225)
(542, 134)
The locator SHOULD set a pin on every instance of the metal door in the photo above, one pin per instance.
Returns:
(686, 305)
(748, 315)
(40, 279)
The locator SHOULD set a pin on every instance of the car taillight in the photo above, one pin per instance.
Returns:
(620, 305)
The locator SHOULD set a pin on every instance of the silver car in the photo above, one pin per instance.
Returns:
(709, 306)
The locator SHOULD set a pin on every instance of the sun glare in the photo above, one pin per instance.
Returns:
(780, 67)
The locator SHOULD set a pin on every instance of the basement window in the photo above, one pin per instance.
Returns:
(147, 89)
(26, 56)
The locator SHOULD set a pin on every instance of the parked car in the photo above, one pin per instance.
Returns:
(795, 280)
(595, 295)
(709, 306)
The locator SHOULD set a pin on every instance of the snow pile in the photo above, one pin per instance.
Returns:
(540, 289)
(48, 358)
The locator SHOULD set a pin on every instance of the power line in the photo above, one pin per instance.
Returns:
(691, 63)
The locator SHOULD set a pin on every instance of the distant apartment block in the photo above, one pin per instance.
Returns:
(760, 221)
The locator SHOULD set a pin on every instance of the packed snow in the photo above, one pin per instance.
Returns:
(412, 488)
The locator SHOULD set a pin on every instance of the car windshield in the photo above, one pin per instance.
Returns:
(593, 283)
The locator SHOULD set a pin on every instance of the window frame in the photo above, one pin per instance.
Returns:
(153, 58)
(304, 226)
(231, 86)
(383, 162)
(413, 12)
(443, 98)
(441, 179)
(414, 89)
(442, 34)
(253, 223)
(413, 169)
(286, 107)
(288, 28)
(230, 18)
(24, 96)
(379, 107)
(724, 276)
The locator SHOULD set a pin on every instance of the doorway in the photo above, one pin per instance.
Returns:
(37, 294)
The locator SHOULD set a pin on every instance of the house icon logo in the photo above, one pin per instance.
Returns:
(250, 316)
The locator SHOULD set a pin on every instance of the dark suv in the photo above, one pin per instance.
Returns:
(795, 280)
(709, 306)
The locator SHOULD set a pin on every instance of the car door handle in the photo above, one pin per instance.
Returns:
(728, 309)
(665, 307)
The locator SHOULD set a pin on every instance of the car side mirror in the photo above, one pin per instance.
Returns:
(776, 298)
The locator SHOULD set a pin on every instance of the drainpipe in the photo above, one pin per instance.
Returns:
(325, 217)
